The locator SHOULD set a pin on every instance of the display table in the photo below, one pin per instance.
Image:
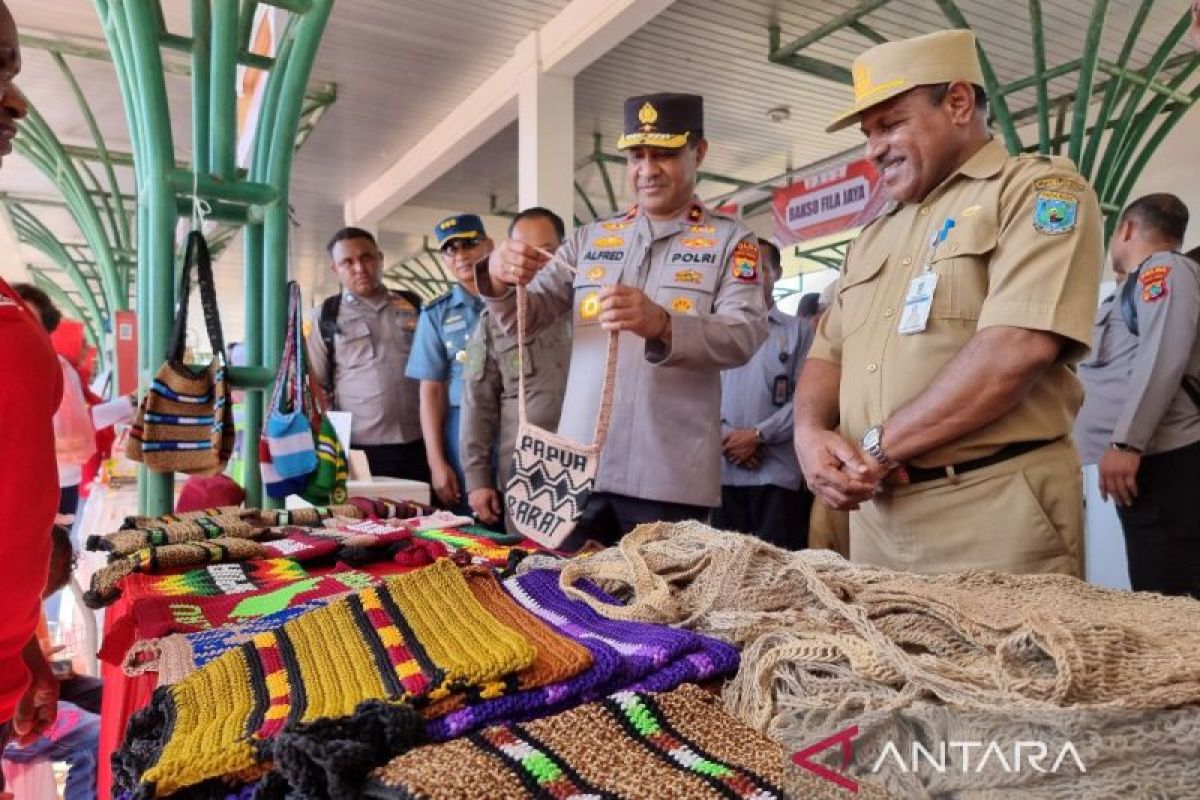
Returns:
(387, 488)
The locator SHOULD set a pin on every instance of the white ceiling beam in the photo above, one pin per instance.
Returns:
(577, 36)
(420, 221)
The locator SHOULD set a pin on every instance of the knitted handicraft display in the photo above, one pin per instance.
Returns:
(554, 674)
(476, 550)
(383, 508)
(166, 519)
(305, 517)
(419, 635)
(1046, 653)
(630, 745)
(105, 581)
(652, 657)
(196, 529)
(159, 617)
(209, 626)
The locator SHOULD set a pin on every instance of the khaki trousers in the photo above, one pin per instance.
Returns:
(1023, 515)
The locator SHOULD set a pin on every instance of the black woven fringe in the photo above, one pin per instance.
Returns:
(145, 737)
(330, 758)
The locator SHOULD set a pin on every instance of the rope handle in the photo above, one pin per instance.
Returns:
(607, 388)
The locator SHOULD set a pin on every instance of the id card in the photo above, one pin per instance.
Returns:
(917, 303)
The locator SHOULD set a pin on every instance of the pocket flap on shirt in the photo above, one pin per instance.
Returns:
(863, 268)
(974, 237)
(354, 329)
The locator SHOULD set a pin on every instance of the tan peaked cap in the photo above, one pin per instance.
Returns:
(893, 68)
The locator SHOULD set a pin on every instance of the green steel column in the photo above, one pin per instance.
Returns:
(222, 87)
(156, 203)
(202, 24)
(1087, 74)
(253, 403)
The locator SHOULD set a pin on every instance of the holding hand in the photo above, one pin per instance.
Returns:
(624, 308)
(486, 505)
(39, 705)
(515, 263)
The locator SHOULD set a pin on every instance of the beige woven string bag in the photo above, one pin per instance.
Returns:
(553, 476)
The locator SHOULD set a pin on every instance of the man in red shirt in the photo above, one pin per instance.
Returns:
(30, 391)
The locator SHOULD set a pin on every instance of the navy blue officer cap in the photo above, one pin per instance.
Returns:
(662, 120)
(460, 226)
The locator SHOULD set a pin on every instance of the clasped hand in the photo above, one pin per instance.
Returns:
(836, 470)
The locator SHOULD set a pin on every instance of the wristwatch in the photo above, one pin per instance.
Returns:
(872, 442)
(1124, 448)
(759, 438)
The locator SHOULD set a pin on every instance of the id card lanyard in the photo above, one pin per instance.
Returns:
(919, 300)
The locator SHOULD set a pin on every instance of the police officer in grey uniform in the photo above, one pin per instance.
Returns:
(1141, 417)
(491, 385)
(371, 330)
(682, 285)
(440, 353)
(762, 491)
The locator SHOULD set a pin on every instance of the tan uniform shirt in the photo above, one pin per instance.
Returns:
(491, 392)
(373, 341)
(665, 439)
(1134, 381)
(1024, 251)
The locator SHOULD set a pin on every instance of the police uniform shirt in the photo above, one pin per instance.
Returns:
(372, 347)
(440, 349)
(664, 442)
(759, 395)
(1137, 379)
(491, 390)
(1024, 251)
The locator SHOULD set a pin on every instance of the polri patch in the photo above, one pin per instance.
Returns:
(745, 262)
(1056, 205)
(1154, 283)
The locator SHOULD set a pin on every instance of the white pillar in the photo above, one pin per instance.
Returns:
(546, 149)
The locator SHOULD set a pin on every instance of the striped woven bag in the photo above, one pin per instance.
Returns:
(185, 420)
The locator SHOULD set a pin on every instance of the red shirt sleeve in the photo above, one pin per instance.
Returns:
(30, 391)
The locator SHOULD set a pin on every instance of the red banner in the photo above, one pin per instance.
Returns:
(836, 198)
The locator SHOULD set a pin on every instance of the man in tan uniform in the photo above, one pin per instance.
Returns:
(491, 383)
(681, 284)
(947, 356)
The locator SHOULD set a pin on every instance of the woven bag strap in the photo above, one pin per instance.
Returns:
(176, 344)
(208, 295)
(286, 359)
(607, 388)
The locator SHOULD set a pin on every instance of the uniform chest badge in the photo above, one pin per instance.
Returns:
(596, 273)
(683, 305)
(745, 262)
(698, 242)
(589, 306)
(702, 229)
(689, 276)
(1056, 205)
(608, 242)
(615, 226)
(1154, 283)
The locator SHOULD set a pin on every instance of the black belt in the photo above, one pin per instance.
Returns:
(925, 474)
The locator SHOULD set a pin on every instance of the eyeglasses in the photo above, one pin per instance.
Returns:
(456, 245)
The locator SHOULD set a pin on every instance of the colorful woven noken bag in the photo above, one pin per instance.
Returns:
(194, 529)
(106, 581)
(559, 661)
(553, 476)
(289, 428)
(353, 665)
(327, 483)
(185, 421)
(634, 745)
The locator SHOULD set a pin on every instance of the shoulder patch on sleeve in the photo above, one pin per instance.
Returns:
(745, 262)
(1056, 204)
(1154, 282)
